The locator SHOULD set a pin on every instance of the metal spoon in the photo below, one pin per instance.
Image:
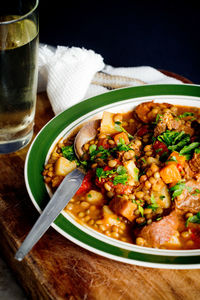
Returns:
(61, 197)
(63, 194)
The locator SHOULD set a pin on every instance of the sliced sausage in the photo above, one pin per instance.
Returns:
(160, 232)
(189, 200)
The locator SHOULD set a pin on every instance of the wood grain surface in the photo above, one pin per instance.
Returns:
(58, 269)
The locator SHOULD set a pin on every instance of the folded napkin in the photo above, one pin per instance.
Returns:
(70, 75)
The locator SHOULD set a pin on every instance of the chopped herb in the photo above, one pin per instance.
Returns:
(136, 174)
(121, 170)
(68, 152)
(178, 141)
(119, 128)
(100, 150)
(172, 158)
(187, 150)
(120, 179)
(158, 119)
(177, 189)
(103, 174)
(197, 150)
(162, 197)
(197, 192)
(121, 146)
(122, 176)
(89, 195)
(193, 219)
(185, 114)
(144, 161)
(174, 140)
(118, 219)
(154, 204)
(92, 148)
(159, 218)
(141, 210)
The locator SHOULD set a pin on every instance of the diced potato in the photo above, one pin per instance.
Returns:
(94, 197)
(162, 196)
(174, 241)
(132, 171)
(63, 166)
(107, 123)
(109, 218)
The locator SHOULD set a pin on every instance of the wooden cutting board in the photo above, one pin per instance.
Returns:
(58, 269)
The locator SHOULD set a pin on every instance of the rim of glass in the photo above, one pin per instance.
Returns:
(22, 17)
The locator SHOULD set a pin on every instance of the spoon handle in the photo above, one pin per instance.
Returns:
(61, 197)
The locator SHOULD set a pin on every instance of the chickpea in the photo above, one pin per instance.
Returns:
(140, 241)
(111, 142)
(107, 186)
(188, 215)
(147, 184)
(91, 222)
(137, 212)
(149, 153)
(140, 220)
(138, 143)
(102, 227)
(152, 180)
(143, 178)
(86, 219)
(115, 234)
(166, 110)
(147, 148)
(149, 221)
(185, 234)
(115, 228)
(157, 175)
(102, 136)
(93, 166)
(122, 226)
(86, 147)
(70, 206)
(129, 154)
(139, 194)
(145, 140)
(154, 168)
(108, 233)
(112, 163)
(190, 243)
(110, 194)
(148, 217)
(84, 204)
(155, 111)
(81, 214)
(149, 172)
(93, 207)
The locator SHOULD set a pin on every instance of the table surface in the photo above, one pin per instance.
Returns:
(58, 269)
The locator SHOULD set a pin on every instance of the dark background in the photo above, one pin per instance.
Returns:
(161, 34)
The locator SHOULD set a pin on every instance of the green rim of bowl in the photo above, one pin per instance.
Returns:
(38, 152)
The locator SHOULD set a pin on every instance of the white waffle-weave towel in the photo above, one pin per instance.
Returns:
(70, 75)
